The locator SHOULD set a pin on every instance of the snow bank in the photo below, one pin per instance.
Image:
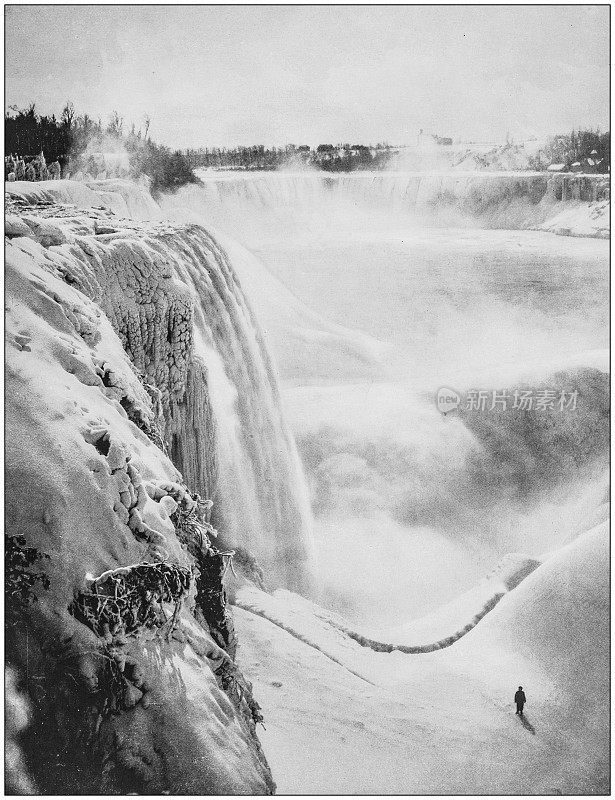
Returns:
(440, 722)
(139, 202)
(156, 709)
(124, 198)
(580, 219)
(320, 628)
(553, 635)
(564, 601)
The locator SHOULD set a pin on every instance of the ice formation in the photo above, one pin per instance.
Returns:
(132, 362)
(173, 299)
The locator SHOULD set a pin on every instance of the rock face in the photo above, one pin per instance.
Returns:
(119, 641)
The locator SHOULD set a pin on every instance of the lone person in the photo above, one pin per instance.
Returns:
(520, 700)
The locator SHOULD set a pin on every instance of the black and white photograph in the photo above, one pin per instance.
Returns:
(307, 399)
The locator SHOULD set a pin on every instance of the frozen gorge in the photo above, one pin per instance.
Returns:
(145, 414)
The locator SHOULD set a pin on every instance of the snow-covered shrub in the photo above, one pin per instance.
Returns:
(130, 598)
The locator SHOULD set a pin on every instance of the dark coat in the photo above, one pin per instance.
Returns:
(519, 697)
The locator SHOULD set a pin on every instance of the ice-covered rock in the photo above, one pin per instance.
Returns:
(173, 298)
(157, 707)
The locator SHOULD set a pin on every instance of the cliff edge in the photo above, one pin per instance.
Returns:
(120, 645)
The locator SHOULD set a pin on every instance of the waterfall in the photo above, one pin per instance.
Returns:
(172, 296)
(246, 205)
(260, 497)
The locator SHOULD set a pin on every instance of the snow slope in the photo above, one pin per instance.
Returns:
(443, 721)
(581, 219)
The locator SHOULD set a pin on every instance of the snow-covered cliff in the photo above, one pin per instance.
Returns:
(138, 393)
(172, 297)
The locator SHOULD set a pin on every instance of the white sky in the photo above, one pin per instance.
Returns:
(224, 75)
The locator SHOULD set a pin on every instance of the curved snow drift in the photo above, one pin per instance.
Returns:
(441, 721)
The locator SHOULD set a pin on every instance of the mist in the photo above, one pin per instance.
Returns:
(375, 290)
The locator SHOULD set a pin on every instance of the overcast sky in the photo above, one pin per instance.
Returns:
(264, 74)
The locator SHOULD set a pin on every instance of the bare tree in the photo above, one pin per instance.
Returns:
(68, 115)
(116, 124)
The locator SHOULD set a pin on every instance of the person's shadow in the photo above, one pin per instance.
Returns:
(527, 724)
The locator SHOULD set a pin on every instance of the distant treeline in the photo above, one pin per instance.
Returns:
(332, 158)
(582, 150)
(76, 141)
(588, 151)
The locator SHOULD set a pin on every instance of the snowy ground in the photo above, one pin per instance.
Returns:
(581, 219)
(341, 718)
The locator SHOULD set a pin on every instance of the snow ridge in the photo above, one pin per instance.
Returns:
(328, 633)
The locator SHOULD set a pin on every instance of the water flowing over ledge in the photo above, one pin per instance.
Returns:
(172, 296)
(514, 200)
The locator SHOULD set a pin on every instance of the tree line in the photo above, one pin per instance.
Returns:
(74, 141)
(584, 149)
(328, 157)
